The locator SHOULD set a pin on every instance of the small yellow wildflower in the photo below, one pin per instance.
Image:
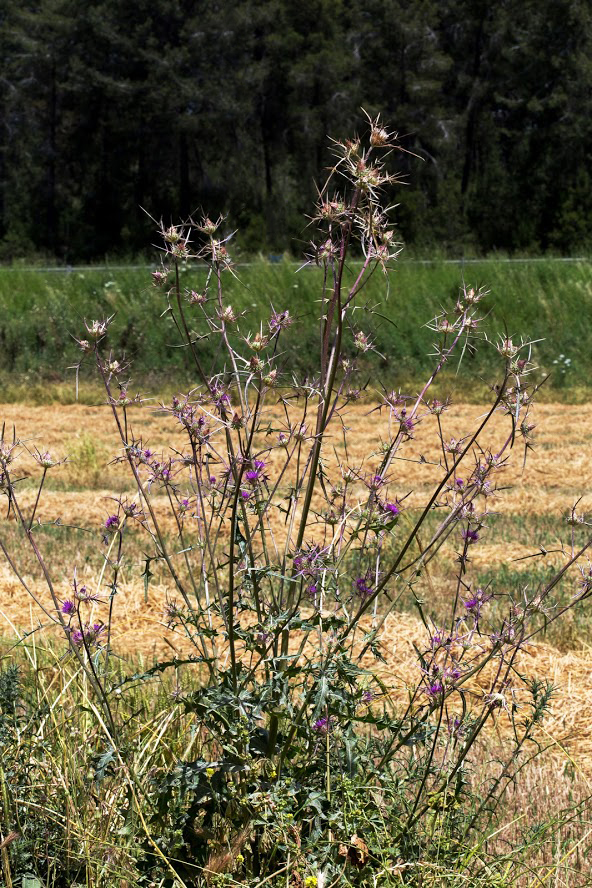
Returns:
(210, 773)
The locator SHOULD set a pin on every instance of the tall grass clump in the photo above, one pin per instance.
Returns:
(273, 747)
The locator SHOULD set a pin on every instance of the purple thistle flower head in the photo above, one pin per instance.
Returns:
(279, 320)
(252, 476)
(68, 607)
(392, 509)
(184, 505)
(112, 522)
(456, 726)
(452, 674)
(309, 561)
(471, 536)
(459, 482)
(475, 602)
(434, 688)
(77, 637)
(363, 587)
(367, 697)
(245, 494)
(322, 725)
(438, 638)
(88, 635)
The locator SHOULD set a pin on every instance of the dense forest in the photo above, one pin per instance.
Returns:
(108, 107)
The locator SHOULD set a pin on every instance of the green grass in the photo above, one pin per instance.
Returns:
(542, 299)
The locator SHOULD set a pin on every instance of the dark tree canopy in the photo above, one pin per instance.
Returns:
(109, 107)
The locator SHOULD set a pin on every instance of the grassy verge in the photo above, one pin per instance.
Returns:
(42, 311)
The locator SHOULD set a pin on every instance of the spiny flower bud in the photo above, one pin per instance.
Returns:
(300, 433)
(7, 453)
(444, 326)
(97, 329)
(45, 460)
(196, 298)
(326, 251)
(332, 210)
(361, 342)
(159, 278)
(227, 314)
(258, 342)
(507, 348)
(351, 148)
(208, 227)
(172, 235)
(368, 176)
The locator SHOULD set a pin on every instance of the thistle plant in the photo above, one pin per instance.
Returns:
(284, 562)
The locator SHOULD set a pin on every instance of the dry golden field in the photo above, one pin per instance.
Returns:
(530, 513)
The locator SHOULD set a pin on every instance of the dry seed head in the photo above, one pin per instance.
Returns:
(379, 137)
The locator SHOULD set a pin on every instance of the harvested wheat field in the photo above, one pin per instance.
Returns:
(529, 518)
